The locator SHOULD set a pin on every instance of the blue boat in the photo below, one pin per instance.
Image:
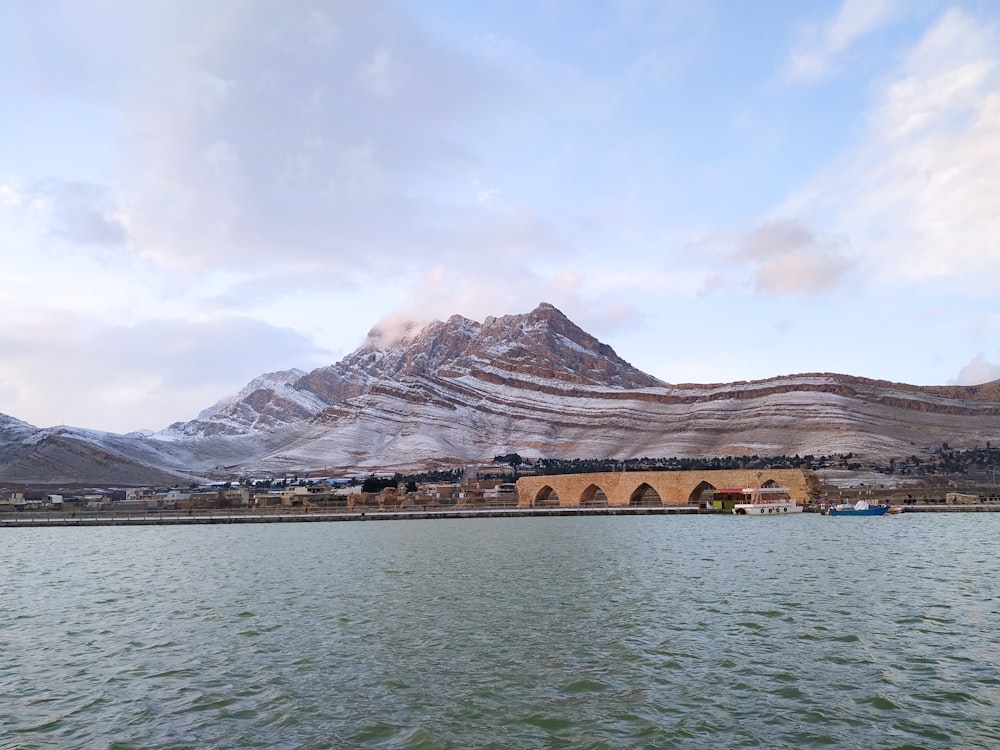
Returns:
(860, 508)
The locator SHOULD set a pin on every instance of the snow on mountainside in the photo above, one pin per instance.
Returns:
(459, 391)
(544, 344)
(471, 417)
(8, 423)
(266, 402)
(276, 381)
(73, 455)
(539, 385)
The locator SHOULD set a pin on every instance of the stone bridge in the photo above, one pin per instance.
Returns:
(658, 487)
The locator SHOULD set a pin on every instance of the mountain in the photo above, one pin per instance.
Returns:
(453, 392)
(67, 455)
(542, 346)
(266, 402)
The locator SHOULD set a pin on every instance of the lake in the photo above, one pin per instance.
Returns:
(575, 632)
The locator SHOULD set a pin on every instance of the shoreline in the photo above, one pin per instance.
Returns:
(187, 519)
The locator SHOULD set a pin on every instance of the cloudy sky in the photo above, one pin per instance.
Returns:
(193, 193)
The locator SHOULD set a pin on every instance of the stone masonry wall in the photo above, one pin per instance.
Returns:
(673, 487)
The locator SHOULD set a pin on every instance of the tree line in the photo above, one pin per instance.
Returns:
(943, 460)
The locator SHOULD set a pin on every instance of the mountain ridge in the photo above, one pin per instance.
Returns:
(436, 349)
(458, 391)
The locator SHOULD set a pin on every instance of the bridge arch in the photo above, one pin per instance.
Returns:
(593, 497)
(645, 496)
(697, 495)
(546, 497)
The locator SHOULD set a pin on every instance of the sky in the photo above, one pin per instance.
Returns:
(195, 193)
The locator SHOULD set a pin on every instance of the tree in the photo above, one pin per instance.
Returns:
(375, 485)
(512, 459)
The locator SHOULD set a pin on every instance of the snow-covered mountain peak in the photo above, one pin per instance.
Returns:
(542, 345)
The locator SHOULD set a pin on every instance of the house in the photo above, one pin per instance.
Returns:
(13, 501)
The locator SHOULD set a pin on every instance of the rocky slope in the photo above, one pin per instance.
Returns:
(536, 384)
(544, 345)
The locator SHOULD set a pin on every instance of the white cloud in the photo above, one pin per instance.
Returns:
(789, 259)
(855, 19)
(924, 99)
(254, 138)
(503, 289)
(799, 274)
(79, 212)
(919, 197)
(358, 176)
(383, 74)
(780, 257)
(979, 370)
(394, 327)
(483, 193)
(124, 378)
(983, 324)
(10, 195)
(938, 183)
(821, 45)
(318, 145)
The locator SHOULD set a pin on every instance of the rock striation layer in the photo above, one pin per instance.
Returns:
(454, 392)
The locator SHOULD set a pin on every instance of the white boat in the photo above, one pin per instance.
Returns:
(767, 501)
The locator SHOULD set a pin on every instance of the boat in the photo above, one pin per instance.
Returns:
(860, 508)
(767, 501)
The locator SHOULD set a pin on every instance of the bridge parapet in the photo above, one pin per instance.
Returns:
(670, 487)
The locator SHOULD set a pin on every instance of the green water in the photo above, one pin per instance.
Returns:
(609, 632)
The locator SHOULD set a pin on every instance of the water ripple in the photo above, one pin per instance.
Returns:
(627, 632)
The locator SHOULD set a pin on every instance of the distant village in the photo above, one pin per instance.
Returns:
(490, 485)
